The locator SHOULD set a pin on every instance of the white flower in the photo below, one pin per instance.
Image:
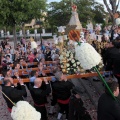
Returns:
(61, 57)
(71, 56)
(24, 111)
(73, 61)
(62, 66)
(75, 70)
(67, 55)
(78, 63)
(74, 65)
(68, 68)
(87, 56)
(67, 64)
(69, 59)
(68, 52)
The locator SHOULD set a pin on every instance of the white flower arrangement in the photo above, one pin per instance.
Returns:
(24, 111)
(71, 65)
(87, 56)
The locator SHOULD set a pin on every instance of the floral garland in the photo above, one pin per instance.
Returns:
(68, 62)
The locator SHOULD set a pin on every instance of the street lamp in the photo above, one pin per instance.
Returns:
(40, 23)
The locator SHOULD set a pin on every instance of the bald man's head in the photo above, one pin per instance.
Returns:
(38, 82)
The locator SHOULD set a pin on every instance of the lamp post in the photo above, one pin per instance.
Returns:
(40, 23)
(35, 32)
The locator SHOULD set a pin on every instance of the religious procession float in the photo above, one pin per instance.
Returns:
(77, 56)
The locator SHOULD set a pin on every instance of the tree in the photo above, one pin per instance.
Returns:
(16, 12)
(99, 12)
(59, 13)
(112, 8)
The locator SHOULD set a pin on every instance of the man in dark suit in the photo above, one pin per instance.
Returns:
(62, 88)
(13, 93)
(36, 58)
(39, 93)
(108, 107)
(113, 59)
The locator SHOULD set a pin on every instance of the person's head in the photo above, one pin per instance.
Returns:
(55, 70)
(21, 60)
(60, 76)
(38, 82)
(16, 65)
(16, 73)
(7, 57)
(7, 73)
(106, 45)
(31, 53)
(111, 44)
(34, 73)
(40, 64)
(42, 60)
(7, 51)
(114, 86)
(35, 50)
(7, 82)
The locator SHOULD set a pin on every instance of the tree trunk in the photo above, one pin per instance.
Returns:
(114, 6)
(14, 36)
(23, 29)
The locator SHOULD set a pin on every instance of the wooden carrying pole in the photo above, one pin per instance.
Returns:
(68, 77)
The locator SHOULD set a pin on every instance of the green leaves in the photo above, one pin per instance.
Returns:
(59, 13)
(18, 11)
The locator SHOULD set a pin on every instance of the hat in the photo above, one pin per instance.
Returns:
(58, 75)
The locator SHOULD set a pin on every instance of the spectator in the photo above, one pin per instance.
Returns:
(108, 107)
(36, 59)
(48, 54)
(31, 57)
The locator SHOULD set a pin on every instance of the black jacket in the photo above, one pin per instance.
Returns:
(36, 60)
(39, 95)
(62, 89)
(76, 110)
(108, 108)
(14, 94)
(113, 60)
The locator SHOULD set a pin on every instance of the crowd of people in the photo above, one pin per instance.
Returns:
(63, 91)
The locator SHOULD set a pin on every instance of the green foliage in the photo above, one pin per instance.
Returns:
(99, 13)
(19, 11)
(59, 13)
